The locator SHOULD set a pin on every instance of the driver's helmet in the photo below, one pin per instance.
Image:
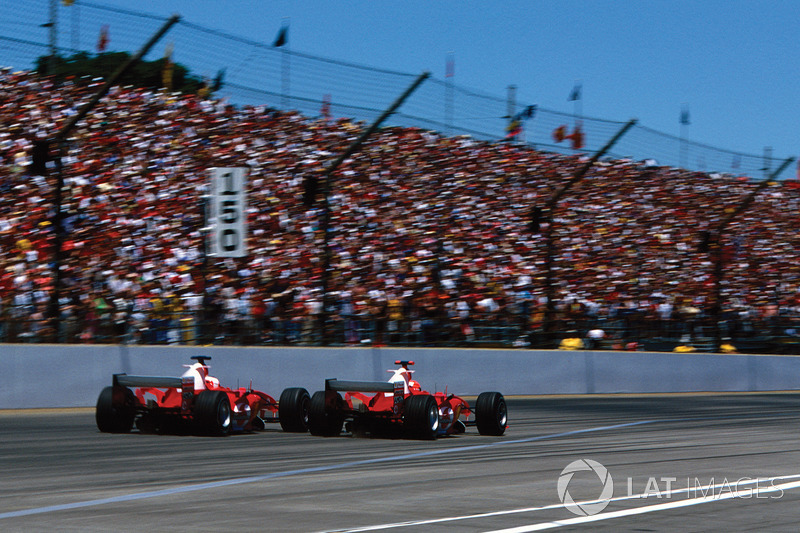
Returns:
(414, 385)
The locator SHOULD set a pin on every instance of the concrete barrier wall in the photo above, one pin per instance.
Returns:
(34, 376)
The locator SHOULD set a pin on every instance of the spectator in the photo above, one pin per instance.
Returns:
(594, 338)
(439, 222)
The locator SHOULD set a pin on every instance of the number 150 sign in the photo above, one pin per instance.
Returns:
(228, 212)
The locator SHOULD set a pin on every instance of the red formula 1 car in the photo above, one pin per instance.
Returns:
(195, 403)
(400, 405)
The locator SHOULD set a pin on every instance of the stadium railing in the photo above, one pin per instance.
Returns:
(778, 334)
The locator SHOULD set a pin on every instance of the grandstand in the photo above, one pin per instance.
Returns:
(430, 229)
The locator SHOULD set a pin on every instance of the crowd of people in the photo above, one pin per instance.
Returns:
(430, 236)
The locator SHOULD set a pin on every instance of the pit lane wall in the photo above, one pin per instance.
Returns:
(39, 376)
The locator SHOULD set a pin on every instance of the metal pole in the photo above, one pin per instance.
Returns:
(548, 213)
(448, 92)
(285, 77)
(59, 139)
(286, 99)
(75, 26)
(52, 26)
(767, 160)
(578, 107)
(716, 249)
(58, 242)
(326, 190)
(204, 231)
(684, 148)
(511, 104)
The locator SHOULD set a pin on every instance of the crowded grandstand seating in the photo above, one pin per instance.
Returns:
(430, 235)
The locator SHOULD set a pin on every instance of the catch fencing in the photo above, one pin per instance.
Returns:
(260, 74)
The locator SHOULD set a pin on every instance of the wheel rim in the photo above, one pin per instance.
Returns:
(433, 417)
(306, 406)
(502, 414)
(224, 415)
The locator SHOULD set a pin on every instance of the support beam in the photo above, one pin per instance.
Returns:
(715, 249)
(548, 210)
(326, 191)
(59, 140)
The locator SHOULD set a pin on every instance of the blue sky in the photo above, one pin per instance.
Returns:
(734, 63)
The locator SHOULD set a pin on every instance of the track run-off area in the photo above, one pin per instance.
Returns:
(589, 463)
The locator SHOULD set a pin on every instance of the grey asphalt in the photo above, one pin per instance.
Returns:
(58, 473)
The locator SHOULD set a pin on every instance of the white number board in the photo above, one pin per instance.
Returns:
(228, 237)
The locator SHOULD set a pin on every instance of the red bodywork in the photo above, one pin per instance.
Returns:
(170, 402)
(246, 404)
(388, 403)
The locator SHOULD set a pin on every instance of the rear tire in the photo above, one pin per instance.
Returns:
(115, 415)
(293, 410)
(212, 413)
(491, 413)
(421, 418)
(322, 422)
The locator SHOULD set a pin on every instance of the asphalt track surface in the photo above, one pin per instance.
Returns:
(729, 463)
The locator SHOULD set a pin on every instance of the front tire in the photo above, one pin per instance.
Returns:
(212, 413)
(322, 422)
(491, 413)
(421, 419)
(115, 410)
(293, 408)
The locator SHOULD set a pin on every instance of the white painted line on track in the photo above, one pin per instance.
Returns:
(653, 508)
(300, 471)
(663, 494)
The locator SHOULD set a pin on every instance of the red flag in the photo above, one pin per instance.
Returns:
(576, 137)
(102, 41)
(560, 133)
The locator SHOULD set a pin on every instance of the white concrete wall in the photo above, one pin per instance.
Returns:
(33, 376)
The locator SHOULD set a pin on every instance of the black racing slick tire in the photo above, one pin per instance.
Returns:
(212, 413)
(115, 410)
(321, 421)
(293, 410)
(421, 418)
(491, 413)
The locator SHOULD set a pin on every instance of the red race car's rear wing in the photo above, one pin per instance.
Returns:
(161, 382)
(396, 389)
(361, 386)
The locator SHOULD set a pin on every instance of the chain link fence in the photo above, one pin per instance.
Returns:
(256, 73)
